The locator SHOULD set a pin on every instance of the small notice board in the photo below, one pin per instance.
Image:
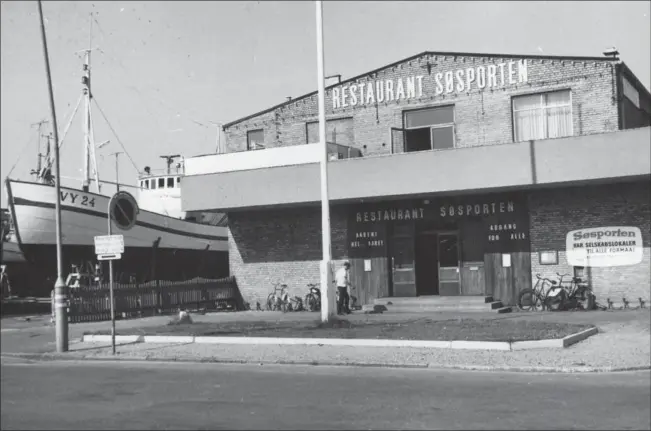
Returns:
(109, 247)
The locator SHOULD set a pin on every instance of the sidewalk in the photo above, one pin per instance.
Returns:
(623, 344)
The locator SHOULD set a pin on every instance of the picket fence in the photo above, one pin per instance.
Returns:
(92, 303)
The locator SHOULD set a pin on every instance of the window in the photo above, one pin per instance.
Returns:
(170, 183)
(338, 131)
(429, 129)
(255, 139)
(161, 183)
(178, 182)
(542, 116)
(153, 183)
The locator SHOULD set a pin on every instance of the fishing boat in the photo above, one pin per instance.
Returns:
(166, 243)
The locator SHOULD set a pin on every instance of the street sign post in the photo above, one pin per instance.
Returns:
(123, 211)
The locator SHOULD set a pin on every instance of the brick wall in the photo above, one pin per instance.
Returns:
(556, 212)
(281, 245)
(482, 117)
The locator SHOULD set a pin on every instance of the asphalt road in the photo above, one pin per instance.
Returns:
(93, 395)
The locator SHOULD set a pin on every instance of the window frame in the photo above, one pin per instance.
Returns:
(328, 121)
(168, 181)
(161, 180)
(431, 128)
(248, 138)
(541, 94)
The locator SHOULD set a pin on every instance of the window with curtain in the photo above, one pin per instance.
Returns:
(542, 116)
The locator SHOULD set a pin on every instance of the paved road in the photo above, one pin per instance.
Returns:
(92, 395)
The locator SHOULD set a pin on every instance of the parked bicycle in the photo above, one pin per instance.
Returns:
(313, 298)
(278, 299)
(295, 304)
(536, 299)
(577, 296)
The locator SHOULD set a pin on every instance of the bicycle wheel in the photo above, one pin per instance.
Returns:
(310, 301)
(271, 302)
(528, 300)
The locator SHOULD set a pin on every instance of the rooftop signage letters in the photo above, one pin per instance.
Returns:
(490, 76)
(604, 246)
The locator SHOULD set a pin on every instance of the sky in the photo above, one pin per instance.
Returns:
(166, 73)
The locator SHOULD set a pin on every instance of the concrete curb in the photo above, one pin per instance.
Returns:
(479, 368)
(456, 344)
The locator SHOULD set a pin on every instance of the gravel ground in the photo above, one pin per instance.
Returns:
(619, 345)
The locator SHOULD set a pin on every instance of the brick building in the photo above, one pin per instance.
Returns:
(450, 174)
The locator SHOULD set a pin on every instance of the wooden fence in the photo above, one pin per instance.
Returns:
(155, 297)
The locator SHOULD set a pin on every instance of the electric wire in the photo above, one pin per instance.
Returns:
(116, 135)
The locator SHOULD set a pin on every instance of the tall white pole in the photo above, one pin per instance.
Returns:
(111, 298)
(327, 289)
(60, 303)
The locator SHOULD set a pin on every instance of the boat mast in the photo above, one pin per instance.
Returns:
(85, 80)
(39, 126)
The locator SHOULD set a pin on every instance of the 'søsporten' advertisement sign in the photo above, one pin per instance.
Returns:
(604, 246)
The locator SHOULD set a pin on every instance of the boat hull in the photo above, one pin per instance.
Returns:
(157, 246)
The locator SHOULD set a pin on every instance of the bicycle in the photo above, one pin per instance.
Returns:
(278, 302)
(557, 294)
(535, 298)
(576, 296)
(313, 298)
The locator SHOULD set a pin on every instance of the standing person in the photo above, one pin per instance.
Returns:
(342, 278)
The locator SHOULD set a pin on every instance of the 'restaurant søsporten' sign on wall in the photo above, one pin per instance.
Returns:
(604, 246)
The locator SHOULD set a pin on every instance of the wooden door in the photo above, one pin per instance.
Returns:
(369, 285)
(402, 261)
(473, 279)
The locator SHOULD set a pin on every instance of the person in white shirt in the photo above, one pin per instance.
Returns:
(342, 279)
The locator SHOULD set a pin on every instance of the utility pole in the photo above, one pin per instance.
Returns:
(327, 290)
(117, 180)
(60, 302)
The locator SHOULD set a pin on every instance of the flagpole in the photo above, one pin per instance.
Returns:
(327, 290)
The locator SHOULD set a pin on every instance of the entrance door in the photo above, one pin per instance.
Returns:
(448, 253)
(402, 266)
(427, 277)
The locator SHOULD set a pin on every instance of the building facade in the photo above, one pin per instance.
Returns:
(450, 174)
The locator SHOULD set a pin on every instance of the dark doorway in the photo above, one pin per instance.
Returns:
(427, 280)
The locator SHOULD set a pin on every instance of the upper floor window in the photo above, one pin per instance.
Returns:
(170, 182)
(161, 183)
(429, 129)
(542, 116)
(338, 131)
(255, 139)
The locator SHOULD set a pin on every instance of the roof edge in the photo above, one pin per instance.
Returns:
(457, 54)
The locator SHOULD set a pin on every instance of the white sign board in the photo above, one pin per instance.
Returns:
(367, 265)
(109, 244)
(604, 246)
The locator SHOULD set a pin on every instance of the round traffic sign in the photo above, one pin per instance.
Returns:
(124, 210)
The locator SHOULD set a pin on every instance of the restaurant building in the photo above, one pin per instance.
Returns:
(449, 174)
